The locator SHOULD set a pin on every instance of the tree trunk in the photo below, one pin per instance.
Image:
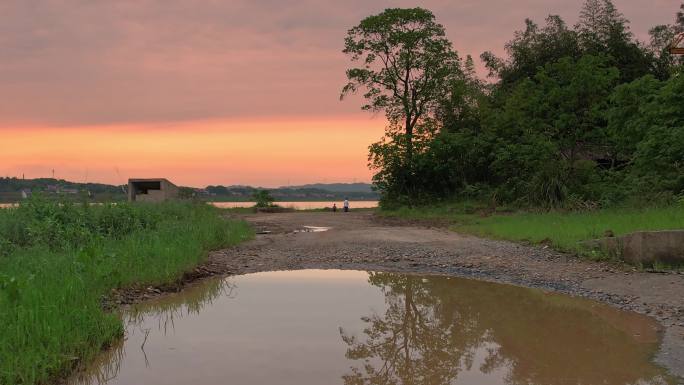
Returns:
(409, 141)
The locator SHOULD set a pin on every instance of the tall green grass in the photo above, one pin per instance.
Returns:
(562, 230)
(59, 261)
(565, 231)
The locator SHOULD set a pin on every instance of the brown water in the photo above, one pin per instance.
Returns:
(302, 205)
(317, 327)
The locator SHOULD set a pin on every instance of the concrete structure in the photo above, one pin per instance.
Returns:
(151, 190)
(644, 246)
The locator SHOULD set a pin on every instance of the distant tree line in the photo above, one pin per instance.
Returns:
(13, 184)
(11, 191)
(247, 193)
(11, 188)
(579, 116)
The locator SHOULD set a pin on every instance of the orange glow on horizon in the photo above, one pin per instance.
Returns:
(268, 153)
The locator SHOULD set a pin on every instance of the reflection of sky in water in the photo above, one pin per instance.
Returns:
(333, 327)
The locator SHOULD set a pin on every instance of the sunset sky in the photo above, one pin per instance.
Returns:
(213, 92)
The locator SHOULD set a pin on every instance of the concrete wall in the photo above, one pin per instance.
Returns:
(651, 246)
(644, 246)
(171, 191)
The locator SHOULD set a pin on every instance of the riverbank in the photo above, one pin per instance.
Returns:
(60, 263)
(563, 231)
(362, 241)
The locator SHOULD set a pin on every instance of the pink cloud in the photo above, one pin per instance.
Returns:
(80, 63)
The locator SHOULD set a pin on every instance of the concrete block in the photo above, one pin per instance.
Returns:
(652, 246)
(644, 246)
(151, 190)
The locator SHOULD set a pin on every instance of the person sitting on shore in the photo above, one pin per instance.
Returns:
(346, 205)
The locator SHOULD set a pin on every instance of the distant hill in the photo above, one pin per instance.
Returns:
(337, 187)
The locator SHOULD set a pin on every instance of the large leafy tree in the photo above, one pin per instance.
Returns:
(459, 105)
(404, 60)
(601, 30)
(531, 49)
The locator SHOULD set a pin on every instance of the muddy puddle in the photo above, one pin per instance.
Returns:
(316, 327)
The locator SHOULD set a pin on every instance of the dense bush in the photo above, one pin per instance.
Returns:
(39, 223)
(262, 199)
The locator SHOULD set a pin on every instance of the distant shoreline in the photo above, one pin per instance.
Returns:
(331, 200)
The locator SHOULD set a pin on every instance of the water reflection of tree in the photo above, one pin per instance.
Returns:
(190, 301)
(433, 327)
(413, 342)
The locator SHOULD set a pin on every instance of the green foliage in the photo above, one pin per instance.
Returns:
(406, 62)
(405, 58)
(626, 116)
(547, 127)
(659, 157)
(646, 122)
(580, 118)
(263, 199)
(664, 62)
(58, 262)
(565, 231)
(533, 48)
(603, 30)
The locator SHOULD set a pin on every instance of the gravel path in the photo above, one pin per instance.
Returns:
(360, 241)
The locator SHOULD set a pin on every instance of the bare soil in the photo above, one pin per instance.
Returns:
(361, 241)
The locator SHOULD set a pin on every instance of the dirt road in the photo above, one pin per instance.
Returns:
(358, 240)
